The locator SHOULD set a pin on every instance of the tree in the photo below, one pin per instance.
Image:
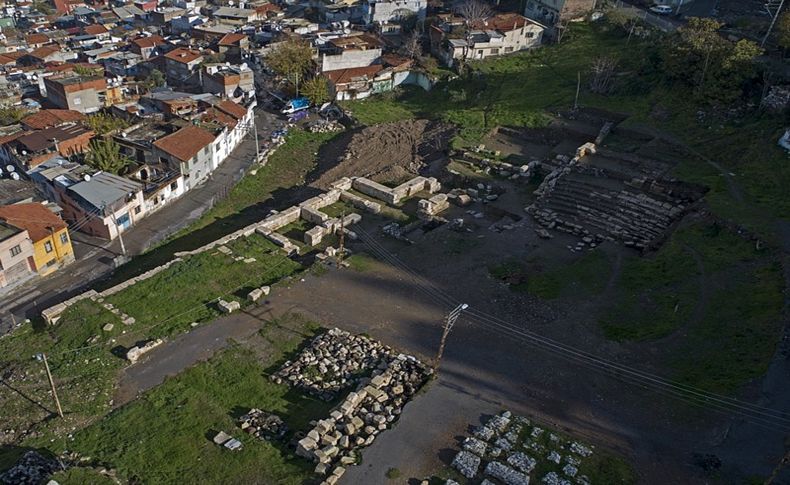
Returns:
(783, 31)
(106, 155)
(86, 71)
(103, 124)
(412, 47)
(293, 60)
(474, 10)
(42, 7)
(155, 79)
(697, 56)
(602, 70)
(316, 90)
(11, 115)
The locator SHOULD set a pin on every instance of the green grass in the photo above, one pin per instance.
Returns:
(165, 436)
(361, 262)
(588, 274)
(187, 291)
(736, 340)
(657, 294)
(393, 474)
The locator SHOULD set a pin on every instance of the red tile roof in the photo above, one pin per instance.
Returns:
(344, 76)
(95, 29)
(44, 51)
(182, 55)
(36, 39)
(33, 217)
(232, 39)
(185, 143)
(51, 117)
(151, 41)
(235, 110)
(503, 22)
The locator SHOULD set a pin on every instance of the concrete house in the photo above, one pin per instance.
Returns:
(189, 149)
(181, 64)
(149, 46)
(76, 92)
(382, 12)
(498, 35)
(47, 232)
(108, 204)
(350, 52)
(233, 82)
(235, 16)
(549, 12)
(16, 255)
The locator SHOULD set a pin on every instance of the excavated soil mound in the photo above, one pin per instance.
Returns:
(391, 152)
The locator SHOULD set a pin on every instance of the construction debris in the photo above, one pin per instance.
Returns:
(263, 425)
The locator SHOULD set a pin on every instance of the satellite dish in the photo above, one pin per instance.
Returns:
(86, 177)
(14, 175)
(10, 168)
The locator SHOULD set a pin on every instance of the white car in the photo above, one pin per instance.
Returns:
(661, 9)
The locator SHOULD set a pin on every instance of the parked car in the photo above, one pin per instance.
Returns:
(661, 9)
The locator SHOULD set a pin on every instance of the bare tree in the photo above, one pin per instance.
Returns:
(474, 10)
(412, 48)
(602, 70)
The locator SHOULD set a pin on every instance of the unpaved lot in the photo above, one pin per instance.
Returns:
(388, 153)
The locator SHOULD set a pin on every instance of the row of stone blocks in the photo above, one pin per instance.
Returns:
(396, 195)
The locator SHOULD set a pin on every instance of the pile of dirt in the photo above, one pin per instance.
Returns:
(391, 152)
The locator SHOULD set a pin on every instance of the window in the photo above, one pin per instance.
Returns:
(508, 49)
(48, 246)
(205, 150)
(16, 250)
(494, 51)
(530, 35)
(64, 238)
(137, 210)
(174, 186)
(77, 101)
(51, 262)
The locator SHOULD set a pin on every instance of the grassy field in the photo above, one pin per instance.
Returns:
(165, 436)
(187, 291)
(724, 293)
(587, 275)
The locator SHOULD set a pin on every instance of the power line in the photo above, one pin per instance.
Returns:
(656, 383)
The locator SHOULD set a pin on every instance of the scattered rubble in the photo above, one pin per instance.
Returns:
(32, 469)
(263, 425)
(509, 449)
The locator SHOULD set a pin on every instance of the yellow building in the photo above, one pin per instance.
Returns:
(48, 233)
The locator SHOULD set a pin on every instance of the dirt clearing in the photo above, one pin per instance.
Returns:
(391, 152)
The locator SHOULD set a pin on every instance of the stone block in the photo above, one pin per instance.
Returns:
(228, 306)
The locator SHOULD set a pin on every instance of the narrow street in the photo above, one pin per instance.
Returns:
(95, 256)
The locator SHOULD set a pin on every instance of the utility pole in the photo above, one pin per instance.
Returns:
(117, 230)
(773, 21)
(578, 87)
(52, 384)
(448, 325)
(255, 131)
(680, 4)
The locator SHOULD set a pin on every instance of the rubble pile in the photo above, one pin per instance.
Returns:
(332, 362)
(376, 403)
(263, 425)
(492, 166)
(32, 469)
(325, 126)
(509, 449)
